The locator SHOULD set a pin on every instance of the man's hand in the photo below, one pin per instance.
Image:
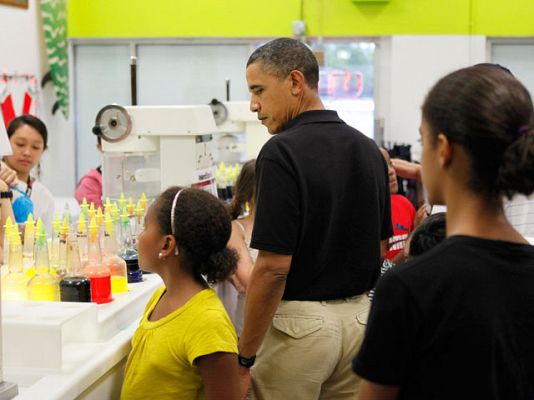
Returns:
(244, 382)
(264, 292)
(8, 175)
(374, 391)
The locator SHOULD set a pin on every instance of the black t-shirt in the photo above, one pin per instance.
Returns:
(455, 323)
(323, 197)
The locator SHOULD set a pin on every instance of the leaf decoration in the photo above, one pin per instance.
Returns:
(54, 15)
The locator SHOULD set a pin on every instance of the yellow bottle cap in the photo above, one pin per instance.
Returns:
(64, 230)
(143, 200)
(40, 232)
(99, 216)
(93, 229)
(109, 225)
(56, 224)
(131, 206)
(15, 238)
(30, 221)
(139, 210)
(38, 226)
(82, 226)
(124, 216)
(8, 227)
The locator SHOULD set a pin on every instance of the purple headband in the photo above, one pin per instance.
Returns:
(523, 130)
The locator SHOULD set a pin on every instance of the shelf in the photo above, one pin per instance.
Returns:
(57, 350)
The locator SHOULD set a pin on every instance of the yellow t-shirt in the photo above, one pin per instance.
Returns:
(161, 363)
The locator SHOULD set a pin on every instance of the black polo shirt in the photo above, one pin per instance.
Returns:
(322, 196)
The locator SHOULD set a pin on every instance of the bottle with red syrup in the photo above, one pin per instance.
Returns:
(98, 274)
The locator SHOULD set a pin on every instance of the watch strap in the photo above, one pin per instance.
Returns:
(6, 195)
(246, 362)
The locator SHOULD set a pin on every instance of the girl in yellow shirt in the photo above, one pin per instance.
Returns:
(185, 346)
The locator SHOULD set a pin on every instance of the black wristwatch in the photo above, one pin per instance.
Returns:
(246, 362)
(6, 195)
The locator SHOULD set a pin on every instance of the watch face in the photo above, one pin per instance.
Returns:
(114, 123)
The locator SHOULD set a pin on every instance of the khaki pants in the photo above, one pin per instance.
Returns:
(307, 352)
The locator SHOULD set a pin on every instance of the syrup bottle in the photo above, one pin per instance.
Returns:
(9, 229)
(62, 253)
(128, 251)
(82, 239)
(55, 266)
(43, 286)
(98, 273)
(28, 246)
(75, 286)
(116, 265)
(15, 283)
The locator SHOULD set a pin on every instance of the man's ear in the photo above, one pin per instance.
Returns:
(445, 150)
(298, 82)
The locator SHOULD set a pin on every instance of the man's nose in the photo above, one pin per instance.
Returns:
(254, 106)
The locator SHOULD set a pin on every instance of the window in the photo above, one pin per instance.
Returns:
(518, 57)
(194, 72)
(346, 82)
(102, 77)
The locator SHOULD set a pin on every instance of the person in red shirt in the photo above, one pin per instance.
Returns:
(404, 218)
(90, 188)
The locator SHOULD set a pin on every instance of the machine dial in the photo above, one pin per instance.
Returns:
(220, 113)
(113, 123)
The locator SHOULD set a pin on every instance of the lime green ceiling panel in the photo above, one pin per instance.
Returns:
(503, 18)
(343, 17)
(251, 18)
(183, 18)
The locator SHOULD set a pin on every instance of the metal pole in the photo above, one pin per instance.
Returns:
(133, 79)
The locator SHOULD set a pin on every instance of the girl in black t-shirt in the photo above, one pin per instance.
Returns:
(457, 321)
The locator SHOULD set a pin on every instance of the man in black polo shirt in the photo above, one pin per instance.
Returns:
(322, 208)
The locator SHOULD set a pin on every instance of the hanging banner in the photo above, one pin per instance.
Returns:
(54, 14)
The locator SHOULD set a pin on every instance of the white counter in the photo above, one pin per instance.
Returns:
(72, 350)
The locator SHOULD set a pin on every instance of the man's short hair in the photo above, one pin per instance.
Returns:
(281, 56)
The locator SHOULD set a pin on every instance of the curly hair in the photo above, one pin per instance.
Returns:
(202, 228)
(428, 235)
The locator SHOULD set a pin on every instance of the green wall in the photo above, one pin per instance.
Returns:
(246, 18)
(503, 18)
